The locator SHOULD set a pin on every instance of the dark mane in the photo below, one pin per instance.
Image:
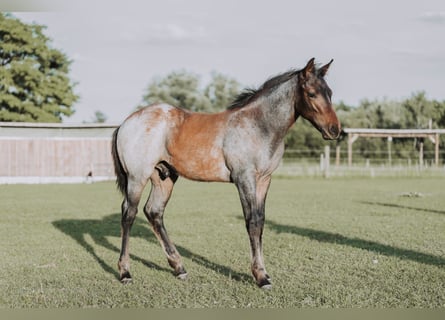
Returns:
(249, 95)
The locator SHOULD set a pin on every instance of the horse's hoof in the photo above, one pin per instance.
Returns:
(126, 278)
(182, 276)
(265, 284)
(266, 287)
(126, 281)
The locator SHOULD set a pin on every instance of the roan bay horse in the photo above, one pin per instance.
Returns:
(242, 145)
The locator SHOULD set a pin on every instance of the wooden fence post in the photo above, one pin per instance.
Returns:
(337, 155)
(326, 171)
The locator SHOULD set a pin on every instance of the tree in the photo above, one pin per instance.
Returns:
(183, 89)
(34, 83)
(99, 117)
(221, 91)
(419, 111)
(180, 89)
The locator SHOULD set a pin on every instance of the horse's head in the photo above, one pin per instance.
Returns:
(315, 100)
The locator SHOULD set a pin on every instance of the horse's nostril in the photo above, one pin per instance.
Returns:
(333, 130)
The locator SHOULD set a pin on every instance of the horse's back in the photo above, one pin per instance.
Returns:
(189, 142)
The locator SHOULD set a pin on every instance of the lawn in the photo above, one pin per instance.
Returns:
(339, 242)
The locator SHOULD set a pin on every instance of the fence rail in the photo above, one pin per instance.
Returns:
(308, 163)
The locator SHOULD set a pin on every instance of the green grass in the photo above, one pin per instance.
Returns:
(328, 243)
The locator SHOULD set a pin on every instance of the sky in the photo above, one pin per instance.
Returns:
(382, 49)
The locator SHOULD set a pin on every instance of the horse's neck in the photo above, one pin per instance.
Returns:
(278, 109)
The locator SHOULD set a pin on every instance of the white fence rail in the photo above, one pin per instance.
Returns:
(335, 164)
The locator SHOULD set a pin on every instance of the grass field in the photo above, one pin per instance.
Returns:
(328, 243)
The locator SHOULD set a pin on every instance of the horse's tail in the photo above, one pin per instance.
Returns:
(121, 175)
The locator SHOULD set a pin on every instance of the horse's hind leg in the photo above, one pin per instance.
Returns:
(161, 190)
(129, 211)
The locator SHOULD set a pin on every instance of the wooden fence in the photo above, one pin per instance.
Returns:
(33, 153)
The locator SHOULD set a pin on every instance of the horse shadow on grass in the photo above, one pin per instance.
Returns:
(329, 237)
(399, 206)
(109, 226)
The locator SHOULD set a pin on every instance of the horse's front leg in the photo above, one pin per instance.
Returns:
(253, 193)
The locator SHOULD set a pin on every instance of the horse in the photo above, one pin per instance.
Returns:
(242, 145)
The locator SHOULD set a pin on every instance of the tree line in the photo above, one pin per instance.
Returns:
(414, 112)
(35, 87)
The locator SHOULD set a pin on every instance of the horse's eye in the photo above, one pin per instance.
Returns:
(311, 95)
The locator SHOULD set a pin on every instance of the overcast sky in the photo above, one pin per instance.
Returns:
(380, 48)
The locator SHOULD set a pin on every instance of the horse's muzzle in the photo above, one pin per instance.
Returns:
(332, 132)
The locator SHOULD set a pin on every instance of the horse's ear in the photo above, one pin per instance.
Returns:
(308, 70)
(323, 70)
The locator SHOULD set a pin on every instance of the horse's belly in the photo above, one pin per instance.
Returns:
(201, 165)
(195, 147)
